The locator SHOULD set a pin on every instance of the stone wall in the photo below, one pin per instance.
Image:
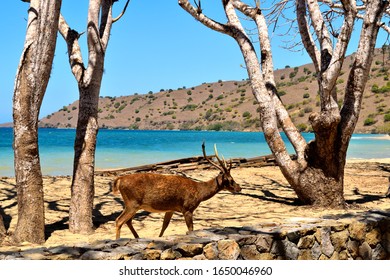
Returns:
(353, 236)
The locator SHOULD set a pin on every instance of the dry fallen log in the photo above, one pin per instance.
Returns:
(191, 163)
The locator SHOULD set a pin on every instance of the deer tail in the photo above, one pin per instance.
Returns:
(115, 186)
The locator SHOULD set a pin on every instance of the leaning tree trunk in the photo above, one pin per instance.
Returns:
(30, 85)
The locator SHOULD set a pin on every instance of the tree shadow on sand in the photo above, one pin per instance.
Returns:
(100, 218)
(10, 195)
(271, 196)
(269, 193)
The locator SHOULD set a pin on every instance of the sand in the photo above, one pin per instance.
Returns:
(265, 198)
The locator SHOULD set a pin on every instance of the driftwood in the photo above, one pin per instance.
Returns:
(191, 163)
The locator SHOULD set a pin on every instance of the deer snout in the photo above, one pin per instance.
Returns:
(234, 188)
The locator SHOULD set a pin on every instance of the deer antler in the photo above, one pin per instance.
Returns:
(223, 166)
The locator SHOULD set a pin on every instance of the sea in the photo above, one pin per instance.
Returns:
(128, 148)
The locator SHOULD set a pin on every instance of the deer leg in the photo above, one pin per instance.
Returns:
(188, 219)
(130, 225)
(127, 214)
(167, 219)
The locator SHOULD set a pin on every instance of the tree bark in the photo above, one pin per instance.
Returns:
(82, 189)
(3, 231)
(30, 85)
(318, 175)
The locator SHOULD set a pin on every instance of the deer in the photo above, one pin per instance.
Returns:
(155, 193)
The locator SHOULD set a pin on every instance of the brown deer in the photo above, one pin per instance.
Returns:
(169, 193)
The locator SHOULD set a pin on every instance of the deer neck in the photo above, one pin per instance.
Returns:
(208, 189)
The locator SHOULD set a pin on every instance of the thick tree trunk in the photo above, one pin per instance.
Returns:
(322, 182)
(30, 85)
(80, 212)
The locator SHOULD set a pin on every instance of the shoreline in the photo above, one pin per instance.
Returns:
(118, 169)
(370, 160)
(379, 135)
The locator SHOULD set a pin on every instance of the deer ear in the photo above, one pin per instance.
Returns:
(230, 165)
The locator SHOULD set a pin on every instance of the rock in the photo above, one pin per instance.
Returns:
(170, 254)
(306, 242)
(386, 241)
(36, 254)
(123, 252)
(151, 254)
(264, 243)
(357, 230)
(326, 245)
(353, 248)
(210, 251)
(95, 255)
(72, 252)
(339, 240)
(316, 250)
(317, 236)
(338, 227)
(189, 249)
(13, 257)
(208, 234)
(379, 253)
(294, 236)
(335, 256)
(365, 251)
(228, 249)
(343, 255)
(292, 250)
(63, 257)
(305, 255)
(286, 249)
(373, 237)
(266, 256)
(200, 257)
(323, 257)
(249, 252)
(247, 240)
(136, 257)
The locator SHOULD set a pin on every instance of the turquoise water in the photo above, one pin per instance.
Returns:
(125, 148)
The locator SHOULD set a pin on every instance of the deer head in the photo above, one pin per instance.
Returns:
(224, 179)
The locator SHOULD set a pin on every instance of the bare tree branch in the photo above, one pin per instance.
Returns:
(360, 68)
(321, 32)
(306, 37)
(122, 13)
(204, 19)
(74, 52)
(344, 37)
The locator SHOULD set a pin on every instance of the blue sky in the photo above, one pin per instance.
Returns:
(156, 45)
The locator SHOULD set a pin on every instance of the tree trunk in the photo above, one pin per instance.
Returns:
(80, 212)
(31, 81)
(3, 231)
(89, 81)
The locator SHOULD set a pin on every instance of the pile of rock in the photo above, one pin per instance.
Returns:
(364, 236)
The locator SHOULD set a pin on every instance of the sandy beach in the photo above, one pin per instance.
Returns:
(265, 198)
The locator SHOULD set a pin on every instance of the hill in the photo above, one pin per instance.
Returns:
(230, 105)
